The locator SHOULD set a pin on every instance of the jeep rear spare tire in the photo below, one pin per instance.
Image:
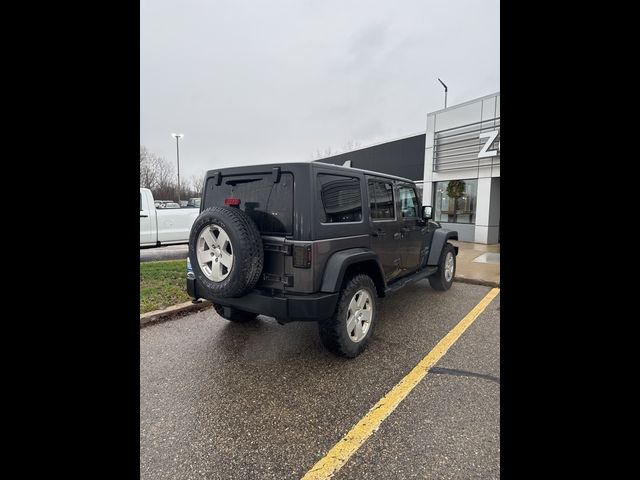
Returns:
(225, 250)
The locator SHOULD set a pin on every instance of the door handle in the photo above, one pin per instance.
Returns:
(379, 233)
(143, 215)
(397, 236)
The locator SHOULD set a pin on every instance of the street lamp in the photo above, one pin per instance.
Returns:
(178, 136)
(445, 93)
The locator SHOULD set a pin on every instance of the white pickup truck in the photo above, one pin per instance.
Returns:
(166, 226)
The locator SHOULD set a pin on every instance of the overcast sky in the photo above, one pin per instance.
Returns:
(274, 81)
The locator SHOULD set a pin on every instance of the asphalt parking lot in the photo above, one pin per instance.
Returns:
(223, 401)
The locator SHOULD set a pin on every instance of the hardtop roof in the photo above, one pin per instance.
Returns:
(232, 170)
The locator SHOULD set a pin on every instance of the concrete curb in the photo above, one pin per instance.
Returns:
(170, 313)
(473, 281)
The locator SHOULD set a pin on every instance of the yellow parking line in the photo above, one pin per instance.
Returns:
(349, 444)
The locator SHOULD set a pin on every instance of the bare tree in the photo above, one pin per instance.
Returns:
(330, 152)
(350, 145)
(165, 174)
(196, 183)
(320, 153)
(148, 174)
(157, 174)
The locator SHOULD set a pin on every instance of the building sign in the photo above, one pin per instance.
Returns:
(485, 152)
(469, 146)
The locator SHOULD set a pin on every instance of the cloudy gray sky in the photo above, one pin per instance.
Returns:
(274, 81)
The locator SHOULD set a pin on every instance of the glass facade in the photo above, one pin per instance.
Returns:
(455, 202)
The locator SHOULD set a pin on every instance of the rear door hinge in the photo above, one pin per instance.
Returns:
(286, 280)
(278, 247)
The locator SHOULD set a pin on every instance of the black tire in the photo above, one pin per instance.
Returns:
(333, 331)
(238, 316)
(438, 280)
(246, 244)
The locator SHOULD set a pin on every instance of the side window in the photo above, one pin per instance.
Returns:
(381, 200)
(341, 198)
(408, 202)
(140, 202)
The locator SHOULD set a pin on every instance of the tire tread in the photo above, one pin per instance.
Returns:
(249, 255)
(437, 280)
(331, 334)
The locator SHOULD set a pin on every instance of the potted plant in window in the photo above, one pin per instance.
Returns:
(455, 190)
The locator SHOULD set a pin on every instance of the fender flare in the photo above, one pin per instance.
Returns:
(440, 238)
(339, 262)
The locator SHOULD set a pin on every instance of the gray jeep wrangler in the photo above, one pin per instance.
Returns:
(313, 242)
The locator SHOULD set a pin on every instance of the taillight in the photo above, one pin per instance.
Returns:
(233, 202)
(302, 256)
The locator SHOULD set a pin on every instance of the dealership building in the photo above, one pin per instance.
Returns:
(456, 162)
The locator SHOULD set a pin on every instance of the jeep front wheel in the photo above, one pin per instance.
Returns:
(348, 331)
(443, 278)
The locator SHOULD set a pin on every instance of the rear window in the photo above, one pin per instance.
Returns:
(341, 198)
(270, 205)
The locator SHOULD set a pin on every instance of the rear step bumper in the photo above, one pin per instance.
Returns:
(287, 308)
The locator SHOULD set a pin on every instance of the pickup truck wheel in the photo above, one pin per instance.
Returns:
(225, 250)
(238, 316)
(443, 278)
(348, 331)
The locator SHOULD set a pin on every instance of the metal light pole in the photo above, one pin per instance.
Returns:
(178, 136)
(445, 93)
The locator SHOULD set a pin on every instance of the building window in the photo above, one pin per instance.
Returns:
(381, 200)
(341, 198)
(455, 201)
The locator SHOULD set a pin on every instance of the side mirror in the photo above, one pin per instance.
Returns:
(426, 212)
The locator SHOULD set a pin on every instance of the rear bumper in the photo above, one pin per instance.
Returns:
(285, 308)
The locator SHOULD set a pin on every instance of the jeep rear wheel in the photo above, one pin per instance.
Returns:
(225, 250)
(443, 278)
(348, 331)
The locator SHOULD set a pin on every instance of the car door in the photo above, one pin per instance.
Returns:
(385, 234)
(146, 232)
(412, 228)
(176, 223)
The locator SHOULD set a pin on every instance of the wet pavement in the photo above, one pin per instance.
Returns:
(477, 262)
(262, 400)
